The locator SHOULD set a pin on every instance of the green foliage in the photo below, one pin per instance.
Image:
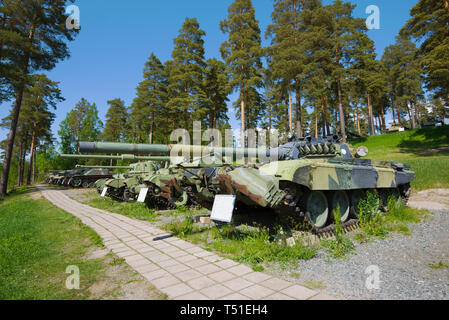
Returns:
(183, 227)
(81, 124)
(439, 265)
(133, 210)
(372, 221)
(242, 53)
(342, 245)
(37, 243)
(116, 117)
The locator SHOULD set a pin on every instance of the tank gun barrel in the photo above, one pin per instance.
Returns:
(129, 157)
(103, 167)
(162, 149)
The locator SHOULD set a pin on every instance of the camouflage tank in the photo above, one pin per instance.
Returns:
(309, 180)
(118, 185)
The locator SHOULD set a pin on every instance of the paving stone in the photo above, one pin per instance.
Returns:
(239, 270)
(159, 257)
(299, 292)
(278, 296)
(256, 292)
(256, 277)
(201, 283)
(139, 263)
(168, 263)
(177, 290)
(176, 268)
(237, 284)
(216, 291)
(322, 296)
(165, 281)
(186, 258)
(226, 263)
(276, 284)
(235, 296)
(155, 274)
(213, 258)
(188, 275)
(176, 254)
(196, 263)
(222, 276)
(195, 295)
(208, 268)
(146, 268)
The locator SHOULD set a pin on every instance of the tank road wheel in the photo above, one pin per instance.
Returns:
(85, 184)
(339, 199)
(356, 197)
(182, 199)
(128, 196)
(77, 183)
(317, 209)
(405, 192)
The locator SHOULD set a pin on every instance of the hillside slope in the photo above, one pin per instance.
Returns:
(426, 150)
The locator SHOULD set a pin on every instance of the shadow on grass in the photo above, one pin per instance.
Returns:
(422, 140)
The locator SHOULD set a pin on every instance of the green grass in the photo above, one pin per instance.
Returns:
(414, 147)
(439, 265)
(245, 245)
(130, 209)
(37, 243)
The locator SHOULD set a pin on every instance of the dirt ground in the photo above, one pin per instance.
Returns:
(432, 199)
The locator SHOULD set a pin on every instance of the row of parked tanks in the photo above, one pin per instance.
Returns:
(80, 177)
(309, 179)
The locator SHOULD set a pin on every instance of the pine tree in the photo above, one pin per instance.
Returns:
(216, 88)
(403, 69)
(186, 75)
(115, 128)
(149, 105)
(429, 24)
(242, 54)
(81, 124)
(35, 39)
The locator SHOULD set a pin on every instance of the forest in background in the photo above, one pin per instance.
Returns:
(318, 76)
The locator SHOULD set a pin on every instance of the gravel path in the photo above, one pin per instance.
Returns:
(402, 261)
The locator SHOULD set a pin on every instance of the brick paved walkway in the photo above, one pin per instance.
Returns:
(178, 268)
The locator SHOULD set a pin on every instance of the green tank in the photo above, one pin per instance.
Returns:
(118, 184)
(309, 178)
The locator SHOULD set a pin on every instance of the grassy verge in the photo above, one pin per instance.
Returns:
(426, 150)
(133, 210)
(251, 245)
(39, 241)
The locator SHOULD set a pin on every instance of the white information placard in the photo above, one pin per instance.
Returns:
(223, 208)
(142, 195)
(103, 193)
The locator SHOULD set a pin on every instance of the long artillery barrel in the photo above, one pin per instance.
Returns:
(125, 157)
(102, 167)
(162, 149)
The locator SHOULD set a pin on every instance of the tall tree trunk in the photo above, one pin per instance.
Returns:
(152, 127)
(409, 115)
(290, 112)
(20, 169)
(413, 112)
(358, 120)
(370, 116)
(14, 121)
(326, 129)
(242, 116)
(316, 123)
(398, 112)
(298, 112)
(392, 110)
(342, 115)
(384, 127)
(30, 167)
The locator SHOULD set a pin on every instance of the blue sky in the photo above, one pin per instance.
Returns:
(108, 56)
